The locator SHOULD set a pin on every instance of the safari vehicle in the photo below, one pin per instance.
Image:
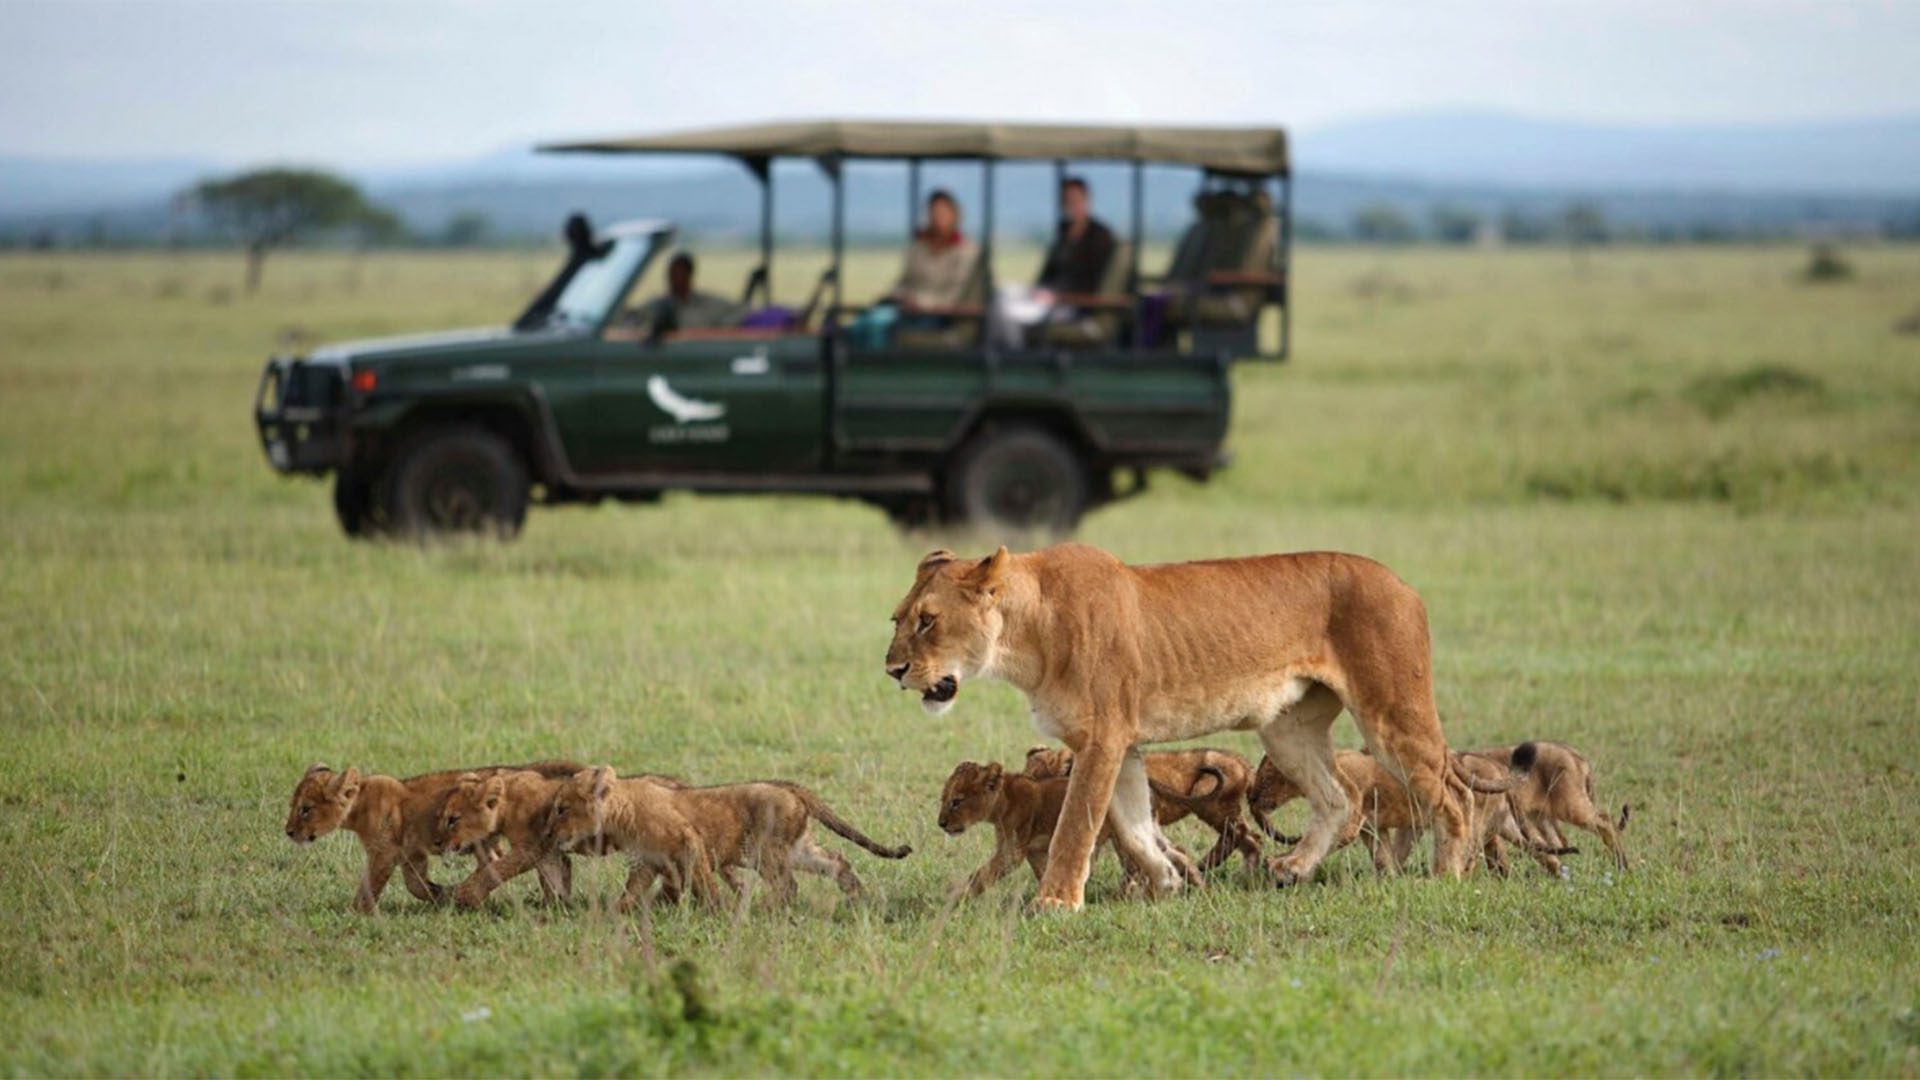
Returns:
(573, 403)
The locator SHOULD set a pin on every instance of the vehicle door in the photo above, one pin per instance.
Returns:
(712, 403)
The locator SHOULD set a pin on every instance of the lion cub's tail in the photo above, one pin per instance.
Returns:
(1524, 756)
(824, 815)
(1192, 797)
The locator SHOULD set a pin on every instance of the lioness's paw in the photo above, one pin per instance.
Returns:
(1053, 905)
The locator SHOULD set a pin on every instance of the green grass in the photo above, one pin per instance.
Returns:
(1663, 506)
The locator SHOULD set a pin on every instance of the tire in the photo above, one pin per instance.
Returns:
(1017, 479)
(353, 504)
(451, 481)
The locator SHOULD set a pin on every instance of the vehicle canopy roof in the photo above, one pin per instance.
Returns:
(1232, 150)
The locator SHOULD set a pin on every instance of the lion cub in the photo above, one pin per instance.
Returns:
(482, 810)
(394, 820)
(1383, 814)
(1215, 783)
(1558, 789)
(1023, 811)
(690, 833)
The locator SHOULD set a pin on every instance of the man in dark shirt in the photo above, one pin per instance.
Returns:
(1075, 266)
(1078, 258)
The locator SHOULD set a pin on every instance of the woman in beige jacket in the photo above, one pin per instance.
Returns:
(939, 261)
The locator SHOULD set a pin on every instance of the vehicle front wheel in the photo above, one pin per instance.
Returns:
(1017, 479)
(353, 504)
(457, 480)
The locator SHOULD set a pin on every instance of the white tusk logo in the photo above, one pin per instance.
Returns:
(683, 410)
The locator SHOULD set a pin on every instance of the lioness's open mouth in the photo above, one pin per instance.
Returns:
(941, 692)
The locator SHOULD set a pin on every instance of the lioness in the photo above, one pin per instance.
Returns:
(1386, 817)
(1558, 788)
(1112, 656)
(1024, 811)
(692, 832)
(394, 820)
(483, 809)
(1214, 783)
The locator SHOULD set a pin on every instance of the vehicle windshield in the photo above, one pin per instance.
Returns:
(601, 283)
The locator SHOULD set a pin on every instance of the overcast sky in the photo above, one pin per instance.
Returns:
(396, 82)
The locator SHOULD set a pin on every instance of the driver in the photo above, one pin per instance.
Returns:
(682, 307)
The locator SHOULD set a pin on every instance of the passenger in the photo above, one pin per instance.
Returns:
(1078, 258)
(683, 307)
(940, 261)
(1075, 264)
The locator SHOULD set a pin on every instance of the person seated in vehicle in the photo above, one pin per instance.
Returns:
(1076, 265)
(940, 260)
(682, 307)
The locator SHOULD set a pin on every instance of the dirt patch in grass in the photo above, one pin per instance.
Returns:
(1719, 394)
(1734, 478)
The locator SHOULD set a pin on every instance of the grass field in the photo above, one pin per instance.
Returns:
(1663, 506)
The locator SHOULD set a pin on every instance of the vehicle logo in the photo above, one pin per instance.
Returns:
(684, 410)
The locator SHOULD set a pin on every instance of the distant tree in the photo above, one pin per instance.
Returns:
(1382, 223)
(1519, 227)
(378, 226)
(268, 208)
(1451, 224)
(1584, 223)
(468, 228)
(1311, 230)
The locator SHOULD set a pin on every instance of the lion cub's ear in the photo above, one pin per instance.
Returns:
(316, 767)
(933, 559)
(991, 573)
(346, 786)
(491, 794)
(602, 782)
(994, 773)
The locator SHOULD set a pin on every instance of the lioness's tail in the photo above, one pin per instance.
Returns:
(824, 815)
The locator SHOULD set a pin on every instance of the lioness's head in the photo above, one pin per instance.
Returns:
(470, 814)
(321, 801)
(579, 810)
(969, 795)
(1047, 762)
(1270, 790)
(946, 629)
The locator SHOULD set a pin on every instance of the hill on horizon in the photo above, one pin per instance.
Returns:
(1848, 175)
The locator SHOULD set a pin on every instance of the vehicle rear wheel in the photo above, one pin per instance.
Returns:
(353, 504)
(1017, 479)
(457, 480)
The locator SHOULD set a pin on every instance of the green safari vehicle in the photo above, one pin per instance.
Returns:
(935, 421)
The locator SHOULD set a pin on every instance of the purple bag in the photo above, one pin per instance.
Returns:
(771, 317)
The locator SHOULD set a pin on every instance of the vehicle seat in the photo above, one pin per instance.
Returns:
(957, 327)
(1102, 322)
(1223, 272)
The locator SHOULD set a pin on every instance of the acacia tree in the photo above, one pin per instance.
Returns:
(270, 207)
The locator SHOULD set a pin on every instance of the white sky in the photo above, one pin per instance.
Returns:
(394, 82)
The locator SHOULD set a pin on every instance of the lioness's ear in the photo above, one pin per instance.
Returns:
(991, 573)
(602, 782)
(933, 559)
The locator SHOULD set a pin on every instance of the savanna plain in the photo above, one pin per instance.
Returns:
(1663, 505)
